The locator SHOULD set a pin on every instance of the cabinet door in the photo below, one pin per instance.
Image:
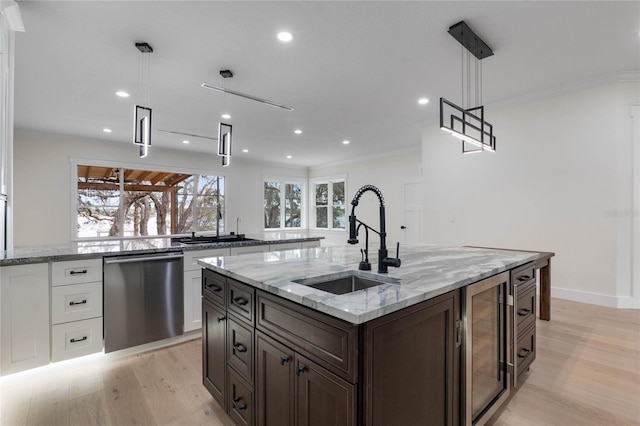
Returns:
(275, 383)
(213, 350)
(25, 317)
(412, 364)
(192, 300)
(322, 398)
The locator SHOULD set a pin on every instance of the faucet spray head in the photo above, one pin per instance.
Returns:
(353, 234)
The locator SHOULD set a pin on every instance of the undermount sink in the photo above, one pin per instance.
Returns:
(345, 282)
(204, 239)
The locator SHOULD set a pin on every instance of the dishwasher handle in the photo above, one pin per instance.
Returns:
(143, 258)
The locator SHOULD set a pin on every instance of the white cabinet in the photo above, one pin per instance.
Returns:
(24, 316)
(193, 286)
(76, 308)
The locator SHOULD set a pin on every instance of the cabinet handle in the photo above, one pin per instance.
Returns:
(240, 347)
(524, 278)
(523, 312)
(72, 303)
(82, 339)
(284, 359)
(222, 318)
(240, 301)
(301, 369)
(213, 287)
(239, 406)
(523, 353)
(83, 271)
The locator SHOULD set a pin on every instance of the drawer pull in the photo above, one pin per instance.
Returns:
(82, 271)
(222, 318)
(240, 301)
(524, 278)
(284, 359)
(82, 339)
(72, 303)
(237, 406)
(301, 369)
(240, 347)
(524, 312)
(213, 287)
(523, 353)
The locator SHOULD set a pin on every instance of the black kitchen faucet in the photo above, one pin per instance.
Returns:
(384, 260)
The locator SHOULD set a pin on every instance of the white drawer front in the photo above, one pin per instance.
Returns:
(284, 246)
(191, 257)
(306, 244)
(76, 271)
(76, 339)
(76, 302)
(250, 249)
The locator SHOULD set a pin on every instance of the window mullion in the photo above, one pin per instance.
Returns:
(121, 212)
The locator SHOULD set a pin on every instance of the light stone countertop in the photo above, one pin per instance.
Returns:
(427, 271)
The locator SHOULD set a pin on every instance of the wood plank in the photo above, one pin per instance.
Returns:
(126, 404)
(91, 409)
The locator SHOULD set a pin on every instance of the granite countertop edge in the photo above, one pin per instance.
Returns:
(31, 255)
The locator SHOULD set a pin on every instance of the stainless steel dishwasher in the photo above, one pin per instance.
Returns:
(143, 299)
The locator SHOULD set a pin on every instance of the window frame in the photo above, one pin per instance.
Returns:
(77, 161)
(329, 180)
(283, 181)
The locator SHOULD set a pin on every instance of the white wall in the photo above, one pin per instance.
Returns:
(389, 173)
(43, 175)
(561, 173)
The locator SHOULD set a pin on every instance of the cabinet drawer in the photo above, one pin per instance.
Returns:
(263, 248)
(240, 299)
(284, 246)
(307, 244)
(525, 314)
(75, 339)
(191, 257)
(525, 351)
(76, 271)
(214, 286)
(240, 348)
(523, 274)
(240, 399)
(76, 302)
(326, 340)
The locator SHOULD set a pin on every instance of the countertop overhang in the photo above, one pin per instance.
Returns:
(427, 271)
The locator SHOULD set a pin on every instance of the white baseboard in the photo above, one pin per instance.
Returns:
(620, 302)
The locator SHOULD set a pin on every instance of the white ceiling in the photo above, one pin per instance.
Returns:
(354, 70)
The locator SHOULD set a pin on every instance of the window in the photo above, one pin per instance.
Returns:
(128, 202)
(328, 209)
(283, 203)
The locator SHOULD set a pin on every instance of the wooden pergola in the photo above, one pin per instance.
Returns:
(107, 179)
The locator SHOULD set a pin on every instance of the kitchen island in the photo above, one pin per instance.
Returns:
(278, 350)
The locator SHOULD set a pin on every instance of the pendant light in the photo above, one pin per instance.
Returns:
(225, 130)
(142, 114)
(467, 122)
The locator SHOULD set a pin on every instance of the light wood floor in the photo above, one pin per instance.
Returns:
(587, 372)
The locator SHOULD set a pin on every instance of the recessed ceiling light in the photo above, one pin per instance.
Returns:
(288, 156)
(245, 150)
(297, 131)
(226, 116)
(122, 94)
(345, 142)
(185, 141)
(423, 101)
(106, 130)
(285, 36)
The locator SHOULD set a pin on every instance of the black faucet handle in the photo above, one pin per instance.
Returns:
(391, 261)
(398, 250)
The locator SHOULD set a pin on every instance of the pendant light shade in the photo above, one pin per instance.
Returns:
(224, 142)
(142, 114)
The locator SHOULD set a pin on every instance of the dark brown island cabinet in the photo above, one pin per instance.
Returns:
(272, 362)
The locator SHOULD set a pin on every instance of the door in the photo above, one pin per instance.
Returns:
(275, 383)
(412, 361)
(487, 381)
(412, 227)
(214, 330)
(322, 398)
